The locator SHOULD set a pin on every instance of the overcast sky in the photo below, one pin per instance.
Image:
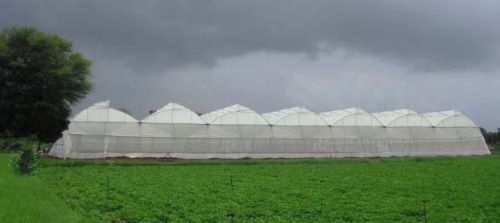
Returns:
(272, 54)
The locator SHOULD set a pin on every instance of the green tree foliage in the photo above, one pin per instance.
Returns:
(40, 78)
(492, 138)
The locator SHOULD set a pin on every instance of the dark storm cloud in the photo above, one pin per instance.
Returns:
(154, 35)
(271, 54)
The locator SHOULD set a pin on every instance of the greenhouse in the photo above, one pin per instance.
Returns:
(175, 131)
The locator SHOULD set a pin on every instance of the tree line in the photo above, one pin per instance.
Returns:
(491, 138)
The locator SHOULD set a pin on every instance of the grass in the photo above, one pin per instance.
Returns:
(454, 189)
(29, 199)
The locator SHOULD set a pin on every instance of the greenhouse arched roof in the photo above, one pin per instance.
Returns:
(102, 112)
(449, 119)
(293, 117)
(402, 118)
(173, 113)
(234, 115)
(350, 117)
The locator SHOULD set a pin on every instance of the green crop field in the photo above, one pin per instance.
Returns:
(452, 189)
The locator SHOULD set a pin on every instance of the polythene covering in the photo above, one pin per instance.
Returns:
(449, 119)
(173, 113)
(101, 112)
(350, 117)
(234, 115)
(238, 132)
(402, 118)
(90, 121)
(296, 116)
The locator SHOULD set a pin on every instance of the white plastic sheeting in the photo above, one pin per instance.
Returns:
(173, 113)
(296, 116)
(238, 132)
(350, 117)
(402, 118)
(234, 115)
(449, 119)
(101, 112)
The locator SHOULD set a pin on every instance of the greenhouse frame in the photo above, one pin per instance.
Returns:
(175, 131)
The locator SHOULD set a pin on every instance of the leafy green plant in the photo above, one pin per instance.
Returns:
(455, 189)
(27, 160)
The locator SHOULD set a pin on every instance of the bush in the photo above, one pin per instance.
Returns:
(10, 145)
(27, 160)
(495, 149)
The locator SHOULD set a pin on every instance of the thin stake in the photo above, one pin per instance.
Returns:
(317, 175)
(231, 212)
(425, 210)
(107, 187)
(231, 180)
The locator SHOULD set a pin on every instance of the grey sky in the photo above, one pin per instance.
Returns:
(268, 55)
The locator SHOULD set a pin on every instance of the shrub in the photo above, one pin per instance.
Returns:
(10, 145)
(27, 160)
(495, 149)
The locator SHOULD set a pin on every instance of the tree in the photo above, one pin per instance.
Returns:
(40, 78)
(492, 138)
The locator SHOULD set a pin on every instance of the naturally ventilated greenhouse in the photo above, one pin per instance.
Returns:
(239, 132)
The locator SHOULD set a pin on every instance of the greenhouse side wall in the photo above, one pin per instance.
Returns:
(200, 141)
